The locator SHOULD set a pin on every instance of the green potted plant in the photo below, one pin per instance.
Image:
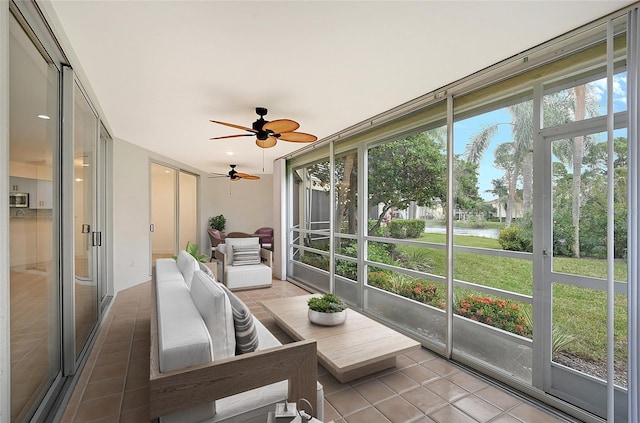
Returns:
(218, 222)
(328, 310)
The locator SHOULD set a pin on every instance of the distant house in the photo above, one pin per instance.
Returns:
(501, 209)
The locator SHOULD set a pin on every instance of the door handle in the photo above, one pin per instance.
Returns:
(96, 239)
(152, 228)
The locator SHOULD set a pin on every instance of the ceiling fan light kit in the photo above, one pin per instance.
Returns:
(268, 133)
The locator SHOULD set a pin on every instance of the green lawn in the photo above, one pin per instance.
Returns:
(579, 311)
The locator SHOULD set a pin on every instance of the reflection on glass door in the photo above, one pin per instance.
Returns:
(174, 211)
(576, 270)
(85, 130)
(163, 212)
(34, 298)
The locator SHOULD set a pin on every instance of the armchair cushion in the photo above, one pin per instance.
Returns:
(246, 254)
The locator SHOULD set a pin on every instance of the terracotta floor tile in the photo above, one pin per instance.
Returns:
(137, 415)
(330, 413)
(330, 384)
(103, 389)
(440, 366)
(398, 410)
(135, 398)
(423, 399)
(420, 373)
(506, 419)
(499, 398)
(368, 415)
(467, 381)
(403, 361)
(421, 354)
(374, 391)
(115, 381)
(99, 408)
(450, 414)
(347, 401)
(477, 408)
(101, 374)
(398, 381)
(447, 390)
(530, 414)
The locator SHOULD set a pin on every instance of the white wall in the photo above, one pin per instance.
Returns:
(247, 205)
(131, 202)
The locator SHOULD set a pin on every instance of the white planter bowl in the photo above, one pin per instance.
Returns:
(327, 319)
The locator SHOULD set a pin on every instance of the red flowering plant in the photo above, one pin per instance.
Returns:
(496, 312)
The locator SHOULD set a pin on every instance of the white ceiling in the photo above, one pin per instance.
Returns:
(162, 69)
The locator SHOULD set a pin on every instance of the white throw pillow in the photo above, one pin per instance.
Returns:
(215, 309)
(187, 265)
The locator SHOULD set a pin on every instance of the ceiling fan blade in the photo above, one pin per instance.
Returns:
(297, 137)
(268, 143)
(279, 126)
(247, 176)
(234, 126)
(233, 136)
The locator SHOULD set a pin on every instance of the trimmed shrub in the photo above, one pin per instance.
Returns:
(406, 228)
(510, 239)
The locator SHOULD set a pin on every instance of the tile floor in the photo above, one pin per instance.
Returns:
(423, 387)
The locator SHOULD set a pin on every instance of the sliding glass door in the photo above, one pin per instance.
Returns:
(174, 210)
(58, 169)
(35, 341)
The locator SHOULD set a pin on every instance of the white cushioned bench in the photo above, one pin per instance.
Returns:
(195, 372)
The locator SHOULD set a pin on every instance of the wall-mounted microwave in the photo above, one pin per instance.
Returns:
(19, 199)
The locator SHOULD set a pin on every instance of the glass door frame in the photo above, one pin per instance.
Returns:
(176, 208)
(551, 377)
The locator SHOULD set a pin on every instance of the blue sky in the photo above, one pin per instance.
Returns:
(464, 130)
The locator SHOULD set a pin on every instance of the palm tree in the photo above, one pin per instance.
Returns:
(521, 148)
(505, 159)
(559, 108)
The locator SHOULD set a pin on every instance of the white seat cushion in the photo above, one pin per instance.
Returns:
(167, 270)
(215, 309)
(187, 265)
(183, 338)
(240, 277)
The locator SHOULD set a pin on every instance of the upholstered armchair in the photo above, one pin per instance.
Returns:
(243, 264)
(266, 237)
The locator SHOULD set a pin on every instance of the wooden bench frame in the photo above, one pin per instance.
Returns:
(181, 389)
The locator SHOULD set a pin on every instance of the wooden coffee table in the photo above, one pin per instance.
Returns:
(359, 347)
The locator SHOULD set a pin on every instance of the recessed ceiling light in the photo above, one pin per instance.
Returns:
(45, 117)
(79, 179)
(229, 153)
